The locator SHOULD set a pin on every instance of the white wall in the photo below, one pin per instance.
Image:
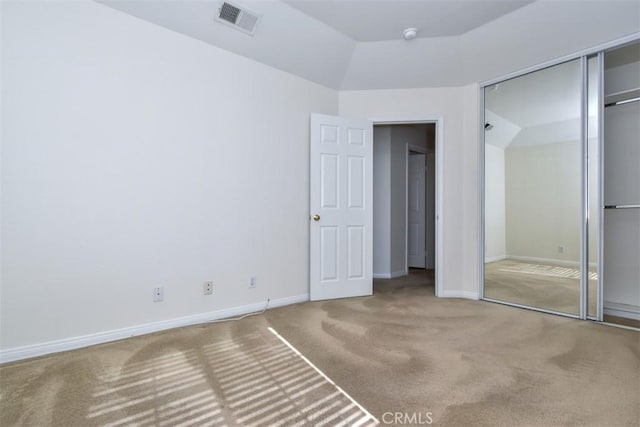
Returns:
(398, 198)
(459, 108)
(135, 157)
(537, 209)
(494, 208)
(430, 241)
(382, 201)
(543, 201)
(470, 187)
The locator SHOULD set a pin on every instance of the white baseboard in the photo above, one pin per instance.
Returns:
(459, 294)
(391, 275)
(627, 311)
(25, 352)
(495, 258)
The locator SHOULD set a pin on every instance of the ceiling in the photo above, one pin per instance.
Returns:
(358, 45)
(547, 95)
(330, 42)
(537, 108)
(369, 21)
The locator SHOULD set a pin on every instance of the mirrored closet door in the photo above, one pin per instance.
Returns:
(534, 189)
(561, 199)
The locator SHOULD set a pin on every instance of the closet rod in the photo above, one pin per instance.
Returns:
(624, 101)
(622, 206)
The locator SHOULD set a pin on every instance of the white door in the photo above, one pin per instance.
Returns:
(416, 213)
(341, 214)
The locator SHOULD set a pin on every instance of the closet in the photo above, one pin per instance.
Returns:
(621, 186)
(561, 187)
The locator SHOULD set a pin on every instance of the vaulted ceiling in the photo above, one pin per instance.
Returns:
(357, 44)
(374, 21)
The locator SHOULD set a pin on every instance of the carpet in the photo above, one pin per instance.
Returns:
(403, 355)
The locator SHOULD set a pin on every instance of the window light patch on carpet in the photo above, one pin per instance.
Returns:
(547, 270)
(255, 379)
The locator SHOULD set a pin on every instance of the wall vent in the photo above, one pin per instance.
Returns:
(238, 17)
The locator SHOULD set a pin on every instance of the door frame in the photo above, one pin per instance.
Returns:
(438, 120)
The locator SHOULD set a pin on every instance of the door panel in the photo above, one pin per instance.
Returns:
(341, 215)
(356, 252)
(329, 165)
(356, 182)
(329, 237)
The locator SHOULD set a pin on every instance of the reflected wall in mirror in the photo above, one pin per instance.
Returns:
(533, 189)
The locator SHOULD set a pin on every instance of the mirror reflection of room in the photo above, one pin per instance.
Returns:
(533, 190)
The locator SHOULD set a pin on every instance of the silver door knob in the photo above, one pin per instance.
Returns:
(316, 217)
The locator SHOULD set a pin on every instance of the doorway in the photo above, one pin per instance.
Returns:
(404, 200)
(343, 185)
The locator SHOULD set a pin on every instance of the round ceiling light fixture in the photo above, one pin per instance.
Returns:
(410, 33)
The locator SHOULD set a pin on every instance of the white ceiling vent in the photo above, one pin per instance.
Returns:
(238, 17)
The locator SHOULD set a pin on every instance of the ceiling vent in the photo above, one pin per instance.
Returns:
(238, 17)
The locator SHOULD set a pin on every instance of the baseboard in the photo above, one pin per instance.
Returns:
(495, 258)
(628, 311)
(459, 294)
(19, 353)
(392, 275)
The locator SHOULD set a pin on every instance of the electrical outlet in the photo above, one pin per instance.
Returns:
(158, 294)
(252, 282)
(561, 249)
(207, 288)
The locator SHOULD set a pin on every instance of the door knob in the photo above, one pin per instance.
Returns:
(316, 217)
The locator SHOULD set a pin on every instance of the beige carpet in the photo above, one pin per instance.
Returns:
(401, 351)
